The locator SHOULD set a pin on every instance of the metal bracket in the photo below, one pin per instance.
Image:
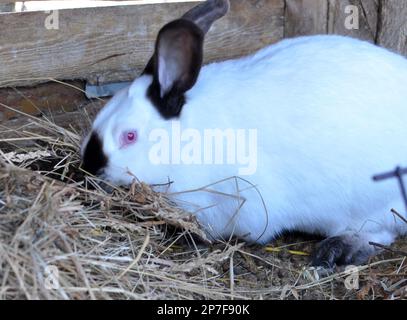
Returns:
(397, 173)
(104, 90)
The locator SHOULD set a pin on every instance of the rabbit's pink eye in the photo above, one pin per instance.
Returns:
(131, 136)
(128, 138)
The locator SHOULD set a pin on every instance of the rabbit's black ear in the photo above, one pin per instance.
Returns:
(176, 65)
(206, 13)
(178, 56)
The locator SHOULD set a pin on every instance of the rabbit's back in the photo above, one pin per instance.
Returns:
(330, 112)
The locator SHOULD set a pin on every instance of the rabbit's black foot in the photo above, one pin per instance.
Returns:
(329, 252)
(349, 249)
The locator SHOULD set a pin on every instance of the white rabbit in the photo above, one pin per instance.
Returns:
(316, 118)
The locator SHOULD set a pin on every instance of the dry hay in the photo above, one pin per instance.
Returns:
(135, 244)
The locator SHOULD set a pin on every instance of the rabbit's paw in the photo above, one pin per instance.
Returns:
(329, 251)
(347, 249)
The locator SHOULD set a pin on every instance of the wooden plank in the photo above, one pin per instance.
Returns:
(367, 13)
(114, 43)
(305, 17)
(7, 7)
(72, 4)
(156, 1)
(392, 31)
(42, 98)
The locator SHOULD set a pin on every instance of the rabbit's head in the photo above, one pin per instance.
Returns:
(118, 146)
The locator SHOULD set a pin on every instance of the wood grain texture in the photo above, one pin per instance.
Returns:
(42, 98)
(114, 43)
(392, 27)
(7, 7)
(14, 1)
(305, 17)
(367, 13)
(308, 17)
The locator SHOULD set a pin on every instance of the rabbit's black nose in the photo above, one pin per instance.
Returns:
(94, 160)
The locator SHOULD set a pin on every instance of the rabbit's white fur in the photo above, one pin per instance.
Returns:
(330, 112)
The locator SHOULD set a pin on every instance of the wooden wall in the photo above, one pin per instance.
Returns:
(383, 22)
(110, 44)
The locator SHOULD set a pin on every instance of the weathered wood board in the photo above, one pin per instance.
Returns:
(108, 44)
(308, 17)
(46, 97)
(6, 7)
(365, 10)
(392, 29)
(383, 22)
(305, 17)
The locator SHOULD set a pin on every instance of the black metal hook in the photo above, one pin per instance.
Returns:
(397, 173)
